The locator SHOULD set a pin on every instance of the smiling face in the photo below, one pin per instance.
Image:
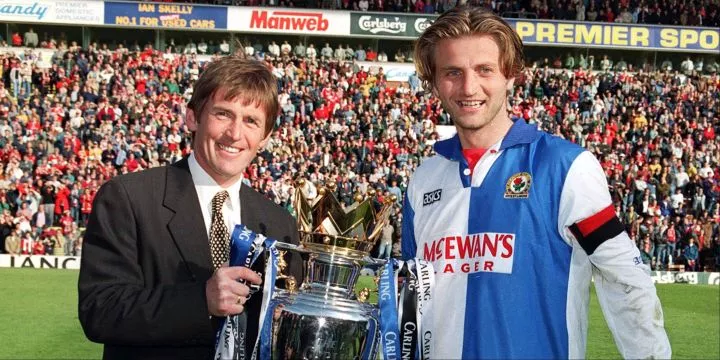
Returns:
(473, 90)
(228, 135)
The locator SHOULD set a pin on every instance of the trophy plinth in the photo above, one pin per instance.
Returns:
(323, 318)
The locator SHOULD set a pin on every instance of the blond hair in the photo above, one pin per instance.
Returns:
(468, 21)
(250, 80)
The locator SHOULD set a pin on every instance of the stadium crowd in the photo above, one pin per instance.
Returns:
(661, 12)
(96, 113)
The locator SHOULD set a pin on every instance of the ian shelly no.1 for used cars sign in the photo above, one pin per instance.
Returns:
(166, 15)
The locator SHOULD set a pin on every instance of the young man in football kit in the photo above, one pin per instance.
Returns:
(515, 221)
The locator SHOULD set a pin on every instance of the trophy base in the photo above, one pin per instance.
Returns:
(309, 326)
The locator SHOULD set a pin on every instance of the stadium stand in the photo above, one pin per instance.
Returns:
(661, 12)
(72, 120)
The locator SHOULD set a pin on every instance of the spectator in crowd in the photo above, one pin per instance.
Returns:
(371, 54)
(16, 39)
(338, 54)
(202, 47)
(386, 241)
(249, 50)
(56, 243)
(12, 243)
(191, 47)
(274, 49)
(360, 54)
(382, 56)
(687, 66)
(327, 51)
(31, 38)
(70, 239)
(690, 253)
(300, 51)
(285, 48)
(224, 47)
(37, 245)
(311, 52)
(39, 221)
(399, 56)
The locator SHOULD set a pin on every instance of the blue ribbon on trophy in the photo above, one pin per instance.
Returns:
(387, 300)
(266, 311)
(246, 247)
(405, 319)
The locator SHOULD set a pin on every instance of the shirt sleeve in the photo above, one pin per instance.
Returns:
(625, 290)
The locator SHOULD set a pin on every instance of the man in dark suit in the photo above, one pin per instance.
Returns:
(154, 280)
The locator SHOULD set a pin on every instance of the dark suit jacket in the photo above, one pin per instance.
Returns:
(146, 259)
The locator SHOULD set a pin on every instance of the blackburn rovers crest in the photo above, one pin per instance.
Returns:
(518, 186)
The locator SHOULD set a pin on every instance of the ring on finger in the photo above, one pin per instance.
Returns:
(240, 300)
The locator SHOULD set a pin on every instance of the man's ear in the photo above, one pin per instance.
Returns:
(264, 141)
(191, 120)
(510, 85)
(509, 93)
(431, 84)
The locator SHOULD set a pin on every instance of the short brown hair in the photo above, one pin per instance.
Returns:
(468, 21)
(250, 79)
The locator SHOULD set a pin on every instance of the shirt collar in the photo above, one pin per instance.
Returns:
(207, 186)
(520, 133)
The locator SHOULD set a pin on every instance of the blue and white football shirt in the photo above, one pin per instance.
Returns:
(514, 244)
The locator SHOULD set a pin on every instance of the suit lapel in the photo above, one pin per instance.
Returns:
(187, 225)
(253, 215)
(249, 217)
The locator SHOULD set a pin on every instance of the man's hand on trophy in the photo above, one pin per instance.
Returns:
(225, 293)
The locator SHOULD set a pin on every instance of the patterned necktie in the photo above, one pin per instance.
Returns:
(219, 235)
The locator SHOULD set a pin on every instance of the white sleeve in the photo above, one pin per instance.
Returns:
(625, 290)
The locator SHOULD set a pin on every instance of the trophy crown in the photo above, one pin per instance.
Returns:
(326, 225)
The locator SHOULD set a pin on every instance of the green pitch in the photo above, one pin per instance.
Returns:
(38, 319)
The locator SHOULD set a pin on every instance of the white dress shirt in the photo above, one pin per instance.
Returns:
(206, 189)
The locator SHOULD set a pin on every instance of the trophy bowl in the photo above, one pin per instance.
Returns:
(323, 318)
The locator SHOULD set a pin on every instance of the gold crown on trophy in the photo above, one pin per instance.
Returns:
(325, 225)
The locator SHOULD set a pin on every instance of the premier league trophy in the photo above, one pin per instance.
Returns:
(323, 319)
